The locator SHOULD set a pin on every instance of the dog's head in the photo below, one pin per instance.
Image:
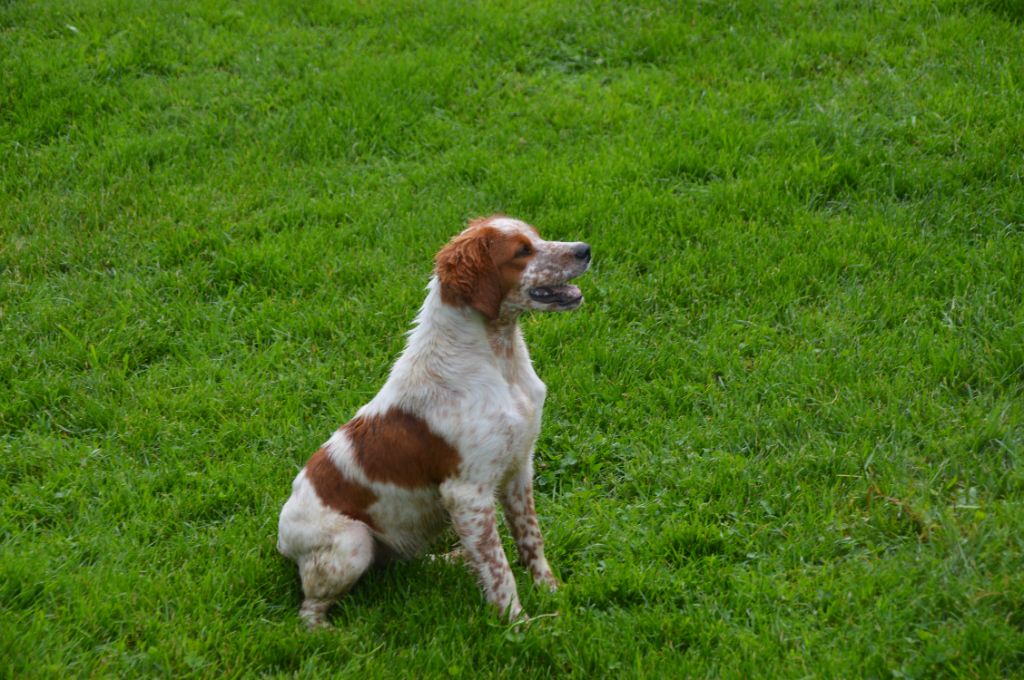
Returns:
(499, 265)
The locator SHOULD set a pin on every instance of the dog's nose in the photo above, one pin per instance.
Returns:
(582, 252)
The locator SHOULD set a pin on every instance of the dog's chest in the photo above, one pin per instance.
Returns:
(522, 415)
(527, 410)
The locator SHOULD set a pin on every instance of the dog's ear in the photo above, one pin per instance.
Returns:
(468, 274)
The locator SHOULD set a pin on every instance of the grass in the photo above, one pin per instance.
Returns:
(784, 437)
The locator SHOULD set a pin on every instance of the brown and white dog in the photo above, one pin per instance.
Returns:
(452, 428)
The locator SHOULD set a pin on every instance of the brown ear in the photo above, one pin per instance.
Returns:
(468, 274)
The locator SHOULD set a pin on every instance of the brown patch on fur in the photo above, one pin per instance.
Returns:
(479, 267)
(400, 448)
(338, 491)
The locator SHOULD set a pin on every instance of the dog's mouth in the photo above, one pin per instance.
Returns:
(564, 296)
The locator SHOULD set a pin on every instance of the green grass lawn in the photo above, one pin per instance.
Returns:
(784, 436)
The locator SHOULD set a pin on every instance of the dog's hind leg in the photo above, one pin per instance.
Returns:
(329, 571)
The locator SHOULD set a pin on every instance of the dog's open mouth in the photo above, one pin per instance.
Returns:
(565, 295)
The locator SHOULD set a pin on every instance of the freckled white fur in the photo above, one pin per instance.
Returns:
(487, 404)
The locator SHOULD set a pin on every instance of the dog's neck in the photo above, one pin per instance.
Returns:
(443, 331)
(503, 333)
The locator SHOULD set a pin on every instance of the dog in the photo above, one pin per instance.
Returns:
(452, 429)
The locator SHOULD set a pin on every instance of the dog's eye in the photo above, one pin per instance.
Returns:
(524, 251)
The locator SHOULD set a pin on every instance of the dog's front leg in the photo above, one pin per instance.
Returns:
(521, 517)
(472, 511)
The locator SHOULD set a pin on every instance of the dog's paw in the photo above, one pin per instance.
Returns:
(520, 620)
(548, 579)
(322, 624)
(515, 614)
